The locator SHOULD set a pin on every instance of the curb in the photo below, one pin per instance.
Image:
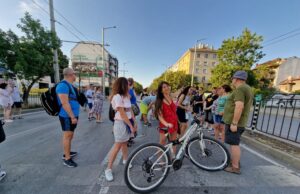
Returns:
(288, 159)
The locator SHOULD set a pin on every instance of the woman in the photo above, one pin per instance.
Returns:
(6, 101)
(98, 104)
(219, 124)
(183, 107)
(123, 122)
(165, 112)
(209, 100)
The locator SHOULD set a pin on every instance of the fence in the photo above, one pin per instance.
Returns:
(34, 100)
(278, 117)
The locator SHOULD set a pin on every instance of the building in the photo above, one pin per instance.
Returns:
(86, 60)
(203, 60)
(284, 74)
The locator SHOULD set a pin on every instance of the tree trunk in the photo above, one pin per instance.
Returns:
(26, 91)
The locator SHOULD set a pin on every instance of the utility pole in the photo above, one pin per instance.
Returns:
(55, 57)
(103, 70)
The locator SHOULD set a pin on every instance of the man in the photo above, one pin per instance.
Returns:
(89, 95)
(68, 114)
(145, 106)
(235, 117)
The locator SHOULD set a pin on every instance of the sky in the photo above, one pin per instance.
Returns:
(153, 34)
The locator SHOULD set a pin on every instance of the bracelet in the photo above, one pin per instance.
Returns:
(234, 124)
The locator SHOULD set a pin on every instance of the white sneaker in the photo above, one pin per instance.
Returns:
(2, 174)
(8, 121)
(108, 175)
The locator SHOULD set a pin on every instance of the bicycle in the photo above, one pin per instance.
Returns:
(147, 173)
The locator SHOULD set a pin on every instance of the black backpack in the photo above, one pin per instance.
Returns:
(50, 103)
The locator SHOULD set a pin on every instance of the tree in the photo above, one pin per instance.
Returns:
(138, 87)
(34, 53)
(176, 80)
(239, 53)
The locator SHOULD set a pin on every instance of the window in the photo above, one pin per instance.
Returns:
(197, 63)
(204, 71)
(205, 63)
(206, 55)
(197, 70)
(198, 55)
(203, 79)
(213, 64)
(214, 56)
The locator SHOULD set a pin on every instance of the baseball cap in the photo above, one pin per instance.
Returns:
(240, 75)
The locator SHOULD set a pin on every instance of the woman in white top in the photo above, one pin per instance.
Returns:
(123, 124)
(6, 101)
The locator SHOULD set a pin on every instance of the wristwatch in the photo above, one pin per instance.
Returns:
(234, 124)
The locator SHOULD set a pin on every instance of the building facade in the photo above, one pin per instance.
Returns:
(284, 74)
(203, 59)
(87, 61)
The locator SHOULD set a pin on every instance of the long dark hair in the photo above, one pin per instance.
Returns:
(227, 88)
(159, 98)
(120, 86)
(184, 91)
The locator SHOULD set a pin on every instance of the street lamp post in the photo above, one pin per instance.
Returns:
(194, 61)
(103, 58)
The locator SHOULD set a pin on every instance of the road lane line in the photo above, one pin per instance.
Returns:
(29, 130)
(268, 159)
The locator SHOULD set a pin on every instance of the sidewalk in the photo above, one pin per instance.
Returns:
(25, 111)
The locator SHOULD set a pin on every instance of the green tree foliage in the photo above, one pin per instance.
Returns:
(176, 80)
(32, 57)
(138, 88)
(239, 53)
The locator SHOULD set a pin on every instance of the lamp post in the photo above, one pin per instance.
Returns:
(103, 57)
(193, 69)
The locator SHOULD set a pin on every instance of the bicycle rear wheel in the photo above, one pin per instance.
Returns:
(147, 168)
(208, 154)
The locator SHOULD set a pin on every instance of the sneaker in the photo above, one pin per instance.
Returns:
(2, 174)
(108, 175)
(8, 121)
(70, 163)
(72, 154)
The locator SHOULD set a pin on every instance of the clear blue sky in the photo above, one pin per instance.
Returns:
(154, 33)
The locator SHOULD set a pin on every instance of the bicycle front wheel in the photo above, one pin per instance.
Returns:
(208, 154)
(147, 168)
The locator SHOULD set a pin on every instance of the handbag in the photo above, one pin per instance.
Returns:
(2, 133)
(135, 109)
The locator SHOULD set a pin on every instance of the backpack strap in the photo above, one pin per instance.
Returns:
(70, 90)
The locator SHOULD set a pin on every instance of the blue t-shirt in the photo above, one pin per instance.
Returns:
(62, 88)
(132, 96)
(149, 99)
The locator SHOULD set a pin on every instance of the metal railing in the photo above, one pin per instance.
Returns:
(34, 100)
(278, 117)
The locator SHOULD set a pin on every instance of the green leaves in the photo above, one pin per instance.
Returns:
(239, 53)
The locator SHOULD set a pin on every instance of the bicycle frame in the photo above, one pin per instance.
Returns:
(185, 139)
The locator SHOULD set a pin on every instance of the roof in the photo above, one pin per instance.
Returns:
(287, 81)
(272, 63)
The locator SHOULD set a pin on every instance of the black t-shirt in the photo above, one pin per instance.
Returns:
(210, 100)
(197, 98)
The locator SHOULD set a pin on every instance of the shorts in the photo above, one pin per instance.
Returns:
(90, 105)
(181, 115)
(218, 119)
(144, 108)
(233, 138)
(209, 117)
(66, 124)
(121, 133)
(17, 105)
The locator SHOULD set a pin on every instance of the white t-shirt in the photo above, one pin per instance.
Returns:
(16, 95)
(89, 95)
(5, 97)
(121, 101)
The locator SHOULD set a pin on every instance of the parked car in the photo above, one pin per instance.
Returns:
(283, 100)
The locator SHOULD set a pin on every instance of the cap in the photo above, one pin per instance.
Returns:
(240, 75)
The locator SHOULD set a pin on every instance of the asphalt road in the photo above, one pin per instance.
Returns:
(32, 153)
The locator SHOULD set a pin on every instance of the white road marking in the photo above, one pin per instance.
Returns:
(29, 130)
(268, 159)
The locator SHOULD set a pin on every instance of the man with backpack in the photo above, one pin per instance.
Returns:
(68, 114)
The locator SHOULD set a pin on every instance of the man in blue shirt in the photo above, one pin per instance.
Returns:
(68, 114)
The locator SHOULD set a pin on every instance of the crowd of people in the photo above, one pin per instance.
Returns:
(223, 111)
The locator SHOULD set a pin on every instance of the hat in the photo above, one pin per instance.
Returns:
(240, 75)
